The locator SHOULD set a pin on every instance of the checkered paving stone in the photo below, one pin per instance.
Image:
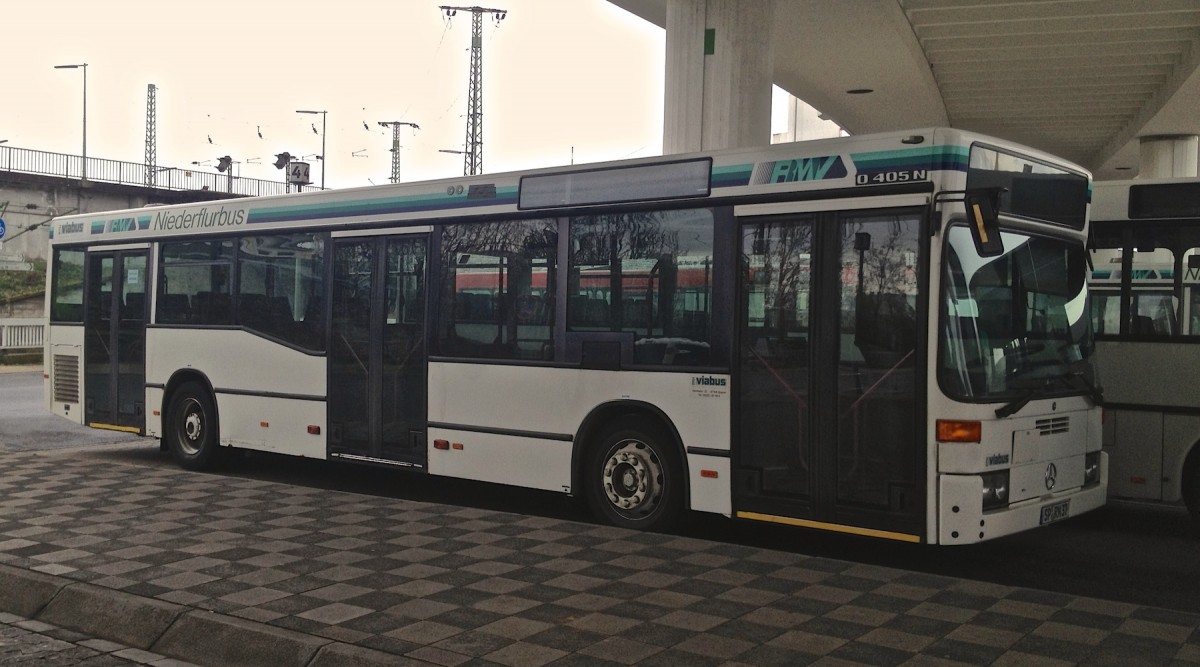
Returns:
(455, 586)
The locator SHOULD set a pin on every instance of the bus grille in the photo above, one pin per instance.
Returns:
(1053, 425)
(66, 379)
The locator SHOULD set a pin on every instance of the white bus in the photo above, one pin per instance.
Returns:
(1145, 283)
(812, 334)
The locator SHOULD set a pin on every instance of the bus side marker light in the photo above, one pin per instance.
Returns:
(457, 445)
(710, 474)
(157, 413)
(441, 444)
(313, 429)
(949, 430)
(264, 424)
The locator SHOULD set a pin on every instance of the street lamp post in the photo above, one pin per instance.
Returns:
(323, 157)
(83, 66)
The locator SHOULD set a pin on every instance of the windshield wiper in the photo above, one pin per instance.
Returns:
(1093, 392)
(1013, 406)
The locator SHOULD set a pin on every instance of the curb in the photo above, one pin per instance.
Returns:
(174, 630)
(123, 617)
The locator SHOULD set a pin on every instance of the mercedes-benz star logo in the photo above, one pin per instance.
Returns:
(1051, 476)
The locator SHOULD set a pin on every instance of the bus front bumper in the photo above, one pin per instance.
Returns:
(965, 522)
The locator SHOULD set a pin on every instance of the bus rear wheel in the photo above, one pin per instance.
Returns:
(1191, 487)
(634, 478)
(191, 429)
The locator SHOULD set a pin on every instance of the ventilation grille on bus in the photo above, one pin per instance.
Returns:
(1053, 425)
(66, 379)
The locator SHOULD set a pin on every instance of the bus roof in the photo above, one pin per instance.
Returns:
(918, 160)
(1146, 199)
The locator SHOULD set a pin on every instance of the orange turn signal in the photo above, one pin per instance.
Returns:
(949, 430)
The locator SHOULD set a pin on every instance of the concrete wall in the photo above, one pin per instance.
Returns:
(31, 307)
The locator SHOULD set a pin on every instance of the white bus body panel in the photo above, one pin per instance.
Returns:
(245, 370)
(1056, 432)
(1150, 446)
(64, 342)
(555, 402)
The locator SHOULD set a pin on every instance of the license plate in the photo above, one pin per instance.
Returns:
(1055, 512)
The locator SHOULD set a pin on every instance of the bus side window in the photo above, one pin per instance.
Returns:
(1154, 314)
(497, 282)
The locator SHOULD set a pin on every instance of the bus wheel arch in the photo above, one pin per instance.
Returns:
(630, 466)
(191, 426)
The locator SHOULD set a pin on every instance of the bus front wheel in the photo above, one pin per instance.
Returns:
(192, 428)
(634, 478)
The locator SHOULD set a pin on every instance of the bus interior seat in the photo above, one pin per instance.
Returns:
(173, 308)
(135, 306)
(1142, 325)
(213, 307)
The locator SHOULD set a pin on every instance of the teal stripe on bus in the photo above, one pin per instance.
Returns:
(383, 206)
(732, 175)
(946, 158)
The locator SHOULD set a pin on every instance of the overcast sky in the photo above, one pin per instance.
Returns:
(558, 74)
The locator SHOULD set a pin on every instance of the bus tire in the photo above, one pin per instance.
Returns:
(633, 477)
(191, 431)
(1191, 487)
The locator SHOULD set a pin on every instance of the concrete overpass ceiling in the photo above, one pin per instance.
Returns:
(1079, 78)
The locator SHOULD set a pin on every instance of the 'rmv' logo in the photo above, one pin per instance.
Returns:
(808, 169)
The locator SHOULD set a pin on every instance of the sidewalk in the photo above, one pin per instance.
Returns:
(217, 570)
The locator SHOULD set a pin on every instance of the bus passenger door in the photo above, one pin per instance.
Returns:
(115, 341)
(830, 382)
(377, 365)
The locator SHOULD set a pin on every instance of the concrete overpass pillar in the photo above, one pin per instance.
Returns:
(718, 74)
(1167, 156)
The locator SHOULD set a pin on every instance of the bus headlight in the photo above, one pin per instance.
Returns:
(995, 489)
(1091, 468)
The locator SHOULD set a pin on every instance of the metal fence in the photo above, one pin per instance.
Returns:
(132, 173)
(21, 333)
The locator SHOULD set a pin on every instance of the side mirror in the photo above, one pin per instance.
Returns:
(984, 222)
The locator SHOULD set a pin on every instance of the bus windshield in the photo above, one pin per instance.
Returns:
(1016, 323)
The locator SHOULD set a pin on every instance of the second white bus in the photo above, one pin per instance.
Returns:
(1146, 313)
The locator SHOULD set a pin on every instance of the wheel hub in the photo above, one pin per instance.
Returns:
(192, 426)
(632, 477)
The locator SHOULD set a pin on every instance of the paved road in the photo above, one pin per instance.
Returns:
(26, 425)
(1133, 553)
(224, 570)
